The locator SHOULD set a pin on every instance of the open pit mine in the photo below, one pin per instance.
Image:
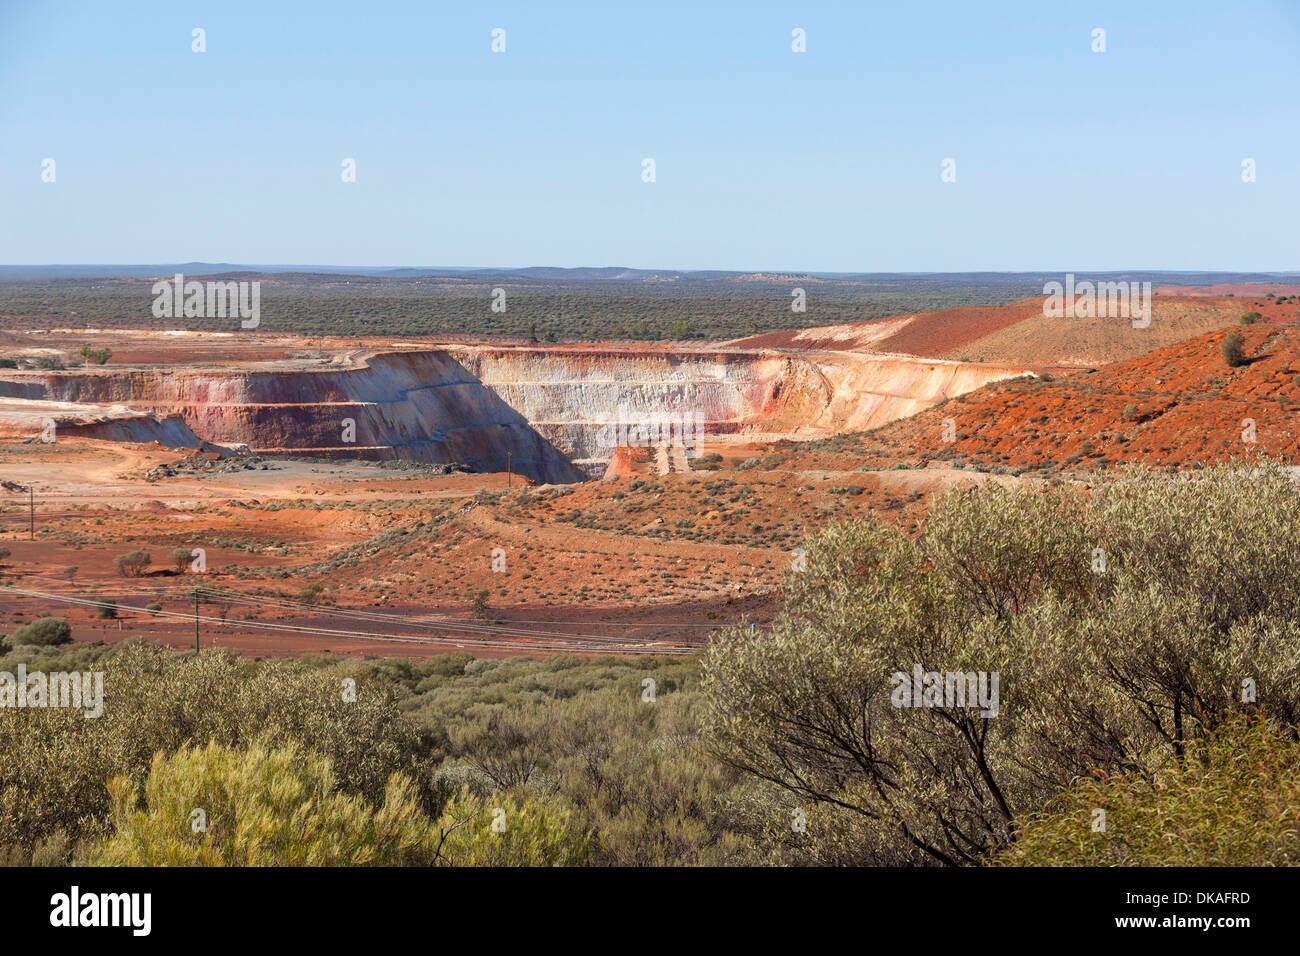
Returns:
(549, 413)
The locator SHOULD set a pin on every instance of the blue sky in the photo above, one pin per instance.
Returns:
(765, 159)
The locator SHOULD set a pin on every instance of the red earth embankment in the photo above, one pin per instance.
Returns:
(1175, 407)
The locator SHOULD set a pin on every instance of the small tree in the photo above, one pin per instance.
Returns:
(1250, 318)
(133, 564)
(1233, 347)
(481, 603)
(107, 609)
(4, 553)
(182, 557)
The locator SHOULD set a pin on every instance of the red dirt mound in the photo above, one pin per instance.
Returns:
(628, 460)
(1018, 333)
(1177, 406)
(927, 334)
(933, 334)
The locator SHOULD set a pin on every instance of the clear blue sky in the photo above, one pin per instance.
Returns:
(766, 159)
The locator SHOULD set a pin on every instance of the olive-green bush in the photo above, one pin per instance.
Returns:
(1233, 801)
(222, 806)
(43, 631)
(1194, 620)
(55, 764)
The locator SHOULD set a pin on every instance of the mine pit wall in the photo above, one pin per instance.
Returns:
(577, 397)
(26, 407)
(554, 413)
(412, 405)
(169, 432)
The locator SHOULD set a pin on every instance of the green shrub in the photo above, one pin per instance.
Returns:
(1230, 802)
(44, 632)
(508, 829)
(219, 806)
(155, 702)
(1233, 348)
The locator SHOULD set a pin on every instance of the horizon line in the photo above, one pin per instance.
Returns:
(637, 269)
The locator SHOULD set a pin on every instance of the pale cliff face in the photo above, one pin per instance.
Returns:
(572, 395)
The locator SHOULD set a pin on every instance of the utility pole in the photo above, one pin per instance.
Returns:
(196, 620)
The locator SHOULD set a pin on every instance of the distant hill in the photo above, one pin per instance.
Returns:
(626, 274)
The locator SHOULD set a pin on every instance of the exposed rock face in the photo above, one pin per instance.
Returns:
(420, 405)
(40, 420)
(577, 397)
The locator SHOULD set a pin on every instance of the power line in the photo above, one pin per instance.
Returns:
(568, 642)
(360, 613)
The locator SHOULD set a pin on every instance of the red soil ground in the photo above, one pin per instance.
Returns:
(642, 563)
